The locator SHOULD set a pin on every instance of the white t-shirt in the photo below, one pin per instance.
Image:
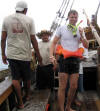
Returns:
(67, 40)
(44, 48)
(19, 27)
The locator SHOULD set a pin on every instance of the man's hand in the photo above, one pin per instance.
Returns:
(53, 60)
(83, 38)
(40, 61)
(4, 59)
(81, 31)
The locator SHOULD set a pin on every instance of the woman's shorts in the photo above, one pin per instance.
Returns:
(69, 65)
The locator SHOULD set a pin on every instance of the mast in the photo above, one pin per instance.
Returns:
(94, 16)
(60, 15)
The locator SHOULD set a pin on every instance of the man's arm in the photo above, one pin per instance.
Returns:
(35, 46)
(83, 38)
(85, 42)
(3, 46)
(52, 49)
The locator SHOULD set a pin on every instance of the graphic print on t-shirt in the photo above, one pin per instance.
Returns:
(17, 28)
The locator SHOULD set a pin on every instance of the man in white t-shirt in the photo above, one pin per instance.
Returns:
(70, 37)
(45, 73)
(19, 31)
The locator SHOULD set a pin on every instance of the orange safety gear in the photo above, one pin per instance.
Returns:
(66, 53)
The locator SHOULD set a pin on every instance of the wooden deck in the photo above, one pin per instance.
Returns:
(5, 90)
(4, 73)
(91, 101)
(38, 101)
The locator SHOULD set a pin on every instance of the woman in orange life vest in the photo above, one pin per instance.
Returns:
(68, 67)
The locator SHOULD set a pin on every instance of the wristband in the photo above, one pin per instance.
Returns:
(51, 57)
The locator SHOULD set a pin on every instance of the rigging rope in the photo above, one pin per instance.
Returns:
(60, 14)
(55, 22)
(70, 8)
(62, 6)
(64, 13)
(97, 12)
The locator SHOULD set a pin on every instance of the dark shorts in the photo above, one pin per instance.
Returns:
(45, 76)
(69, 65)
(20, 69)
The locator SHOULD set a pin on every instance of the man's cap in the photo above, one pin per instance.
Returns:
(21, 5)
(40, 34)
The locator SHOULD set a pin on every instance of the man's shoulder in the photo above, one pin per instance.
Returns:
(30, 18)
(23, 16)
(62, 26)
(6, 17)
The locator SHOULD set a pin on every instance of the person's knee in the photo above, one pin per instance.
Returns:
(62, 88)
(73, 86)
(14, 82)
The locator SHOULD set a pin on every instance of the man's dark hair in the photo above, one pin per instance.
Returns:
(72, 11)
(25, 9)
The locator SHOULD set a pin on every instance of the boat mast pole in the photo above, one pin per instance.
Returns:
(92, 28)
(97, 12)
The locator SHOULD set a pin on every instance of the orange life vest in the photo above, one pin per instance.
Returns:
(66, 53)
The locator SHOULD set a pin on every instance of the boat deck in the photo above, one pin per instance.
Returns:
(90, 102)
(38, 101)
(5, 89)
